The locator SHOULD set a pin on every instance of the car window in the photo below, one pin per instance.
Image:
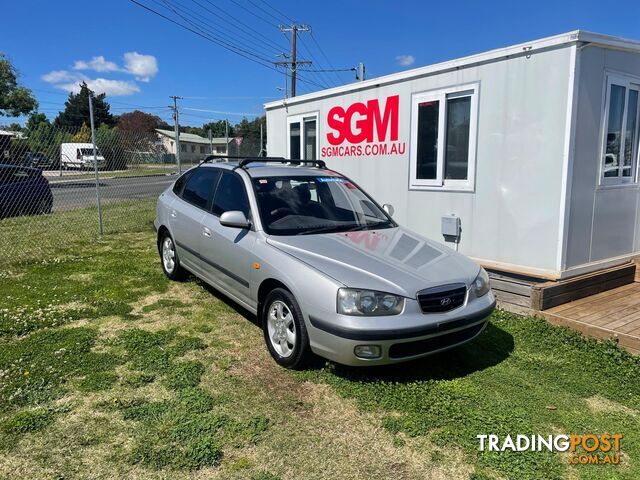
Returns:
(199, 186)
(315, 204)
(179, 185)
(230, 195)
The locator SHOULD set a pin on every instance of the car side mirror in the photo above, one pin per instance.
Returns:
(387, 207)
(234, 219)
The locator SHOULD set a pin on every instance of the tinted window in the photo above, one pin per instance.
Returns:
(199, 186)
(179, 185)
(230, 195)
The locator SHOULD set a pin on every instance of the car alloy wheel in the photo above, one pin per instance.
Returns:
(281, 328)
(168, 254)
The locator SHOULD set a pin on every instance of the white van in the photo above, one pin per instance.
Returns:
(79, 155)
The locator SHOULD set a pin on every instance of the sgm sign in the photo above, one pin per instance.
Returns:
(364, 129)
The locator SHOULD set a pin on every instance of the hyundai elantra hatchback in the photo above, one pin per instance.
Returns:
(326, 270)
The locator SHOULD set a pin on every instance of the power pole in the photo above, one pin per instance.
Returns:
(294, 62)
(226, 136)
(176, 129)
(261, 154)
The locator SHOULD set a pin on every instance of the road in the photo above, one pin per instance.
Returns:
(71, 194)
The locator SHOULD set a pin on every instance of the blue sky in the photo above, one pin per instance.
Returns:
(146, 59)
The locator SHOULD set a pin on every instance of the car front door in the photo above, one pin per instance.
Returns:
(228, 251)
(186, 214)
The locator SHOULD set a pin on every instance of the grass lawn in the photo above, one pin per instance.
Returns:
(108, 370)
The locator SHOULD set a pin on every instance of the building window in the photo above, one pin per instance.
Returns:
(303, 137)
(221, 150)
(620, 140)
(183, 147)
(202, 150)
(193, 149)
(443, 138)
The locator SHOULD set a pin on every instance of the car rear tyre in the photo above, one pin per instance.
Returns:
(169, 259)
(284, 330)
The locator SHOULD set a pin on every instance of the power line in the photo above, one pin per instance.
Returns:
(278, 47)
(214, 36)
(324, 55)
(263, 10)
(209, 23)
(223, 113)
(213, 40)
(277, 11)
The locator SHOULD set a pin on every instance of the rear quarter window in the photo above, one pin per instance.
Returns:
(178, 186)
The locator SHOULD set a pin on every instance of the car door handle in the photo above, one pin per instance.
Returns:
(206, 232)
(173, 214)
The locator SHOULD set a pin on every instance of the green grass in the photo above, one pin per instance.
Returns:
(522, 376)
(59, 236)
(106, 366)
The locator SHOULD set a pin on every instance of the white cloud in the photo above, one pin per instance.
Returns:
(58, 76)
(144, 67)
(70, 82)
(113, 88)
(405, 60)
(99, 64)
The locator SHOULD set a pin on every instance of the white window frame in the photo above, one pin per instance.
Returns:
(629, 83)
(300, 119)
(441, 95)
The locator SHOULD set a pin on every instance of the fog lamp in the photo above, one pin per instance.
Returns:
(368, 351)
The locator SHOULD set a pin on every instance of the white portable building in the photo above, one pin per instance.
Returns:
(534, 148)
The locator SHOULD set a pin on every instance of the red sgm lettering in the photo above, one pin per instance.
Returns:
(360, 121)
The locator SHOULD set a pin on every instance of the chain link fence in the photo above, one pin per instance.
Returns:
(56, 190)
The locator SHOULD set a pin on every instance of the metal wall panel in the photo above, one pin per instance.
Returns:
(603, 220)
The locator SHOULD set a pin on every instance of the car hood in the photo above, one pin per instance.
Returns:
(393, 260)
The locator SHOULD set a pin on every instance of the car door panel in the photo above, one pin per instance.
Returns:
(228, 250)
(229, 255)
(186, 214)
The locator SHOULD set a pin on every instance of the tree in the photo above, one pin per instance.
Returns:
(217, 129)
(15, 99)
(83, 135)
(76, 110)
(138, 121)
(35, 120)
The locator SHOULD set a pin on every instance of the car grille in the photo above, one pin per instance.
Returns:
(443, 298)
(410, 349)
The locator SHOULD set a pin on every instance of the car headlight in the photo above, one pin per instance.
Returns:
(352, 301)
(480, 285)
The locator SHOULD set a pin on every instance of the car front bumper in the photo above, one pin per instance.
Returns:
(412, 335)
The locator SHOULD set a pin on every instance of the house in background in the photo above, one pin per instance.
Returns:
(193, 148)
(524, 158)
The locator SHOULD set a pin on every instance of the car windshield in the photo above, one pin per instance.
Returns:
(300, 205)
(89, 151)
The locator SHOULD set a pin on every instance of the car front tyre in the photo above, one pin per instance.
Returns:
(169, 259)
(284, 330)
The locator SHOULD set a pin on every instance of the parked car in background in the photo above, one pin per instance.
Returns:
(325, 269)
(39, 160)
(80, 156)
(23, 191)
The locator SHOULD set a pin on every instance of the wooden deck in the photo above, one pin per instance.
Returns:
(614, 313)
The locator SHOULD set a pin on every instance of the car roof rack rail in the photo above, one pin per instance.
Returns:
(246, 161)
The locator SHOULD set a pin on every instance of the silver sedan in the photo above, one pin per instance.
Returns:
(325, 269)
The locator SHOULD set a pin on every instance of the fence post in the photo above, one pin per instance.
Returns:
(95, 163)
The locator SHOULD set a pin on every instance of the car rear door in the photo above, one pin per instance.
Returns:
(186, 214)
(227, 251)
